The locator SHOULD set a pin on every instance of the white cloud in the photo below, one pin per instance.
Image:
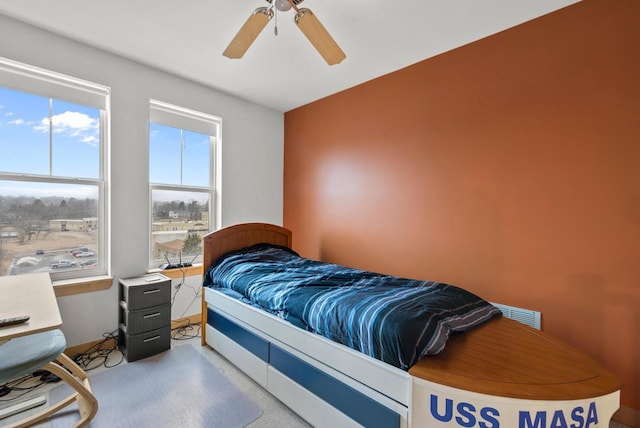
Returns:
(16, 122)
(90, 140)
(72, 120)
(72, 124)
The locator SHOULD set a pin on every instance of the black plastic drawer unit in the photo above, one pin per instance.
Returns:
(144, 316)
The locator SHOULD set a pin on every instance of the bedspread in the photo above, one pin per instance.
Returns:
(396, 320)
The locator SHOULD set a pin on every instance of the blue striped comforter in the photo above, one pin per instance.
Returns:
(395, 320)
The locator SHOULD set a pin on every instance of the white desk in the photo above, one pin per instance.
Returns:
(31, 295)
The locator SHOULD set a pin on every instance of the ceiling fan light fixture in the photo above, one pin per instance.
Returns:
(283, 5)
(319, 36)
(248, 33)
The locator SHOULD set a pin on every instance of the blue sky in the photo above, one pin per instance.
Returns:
(24, 136)
(25, 147)
(166, 156)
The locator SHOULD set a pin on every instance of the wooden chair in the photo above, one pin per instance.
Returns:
(44, 351)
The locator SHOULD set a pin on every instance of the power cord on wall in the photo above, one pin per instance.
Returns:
(196, 295)
(187, 331)
(181, 284)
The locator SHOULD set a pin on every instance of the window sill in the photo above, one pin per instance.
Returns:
(179, 272)
(68, 287)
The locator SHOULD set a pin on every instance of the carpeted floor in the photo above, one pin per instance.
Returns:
(177, 388)
(274, 413)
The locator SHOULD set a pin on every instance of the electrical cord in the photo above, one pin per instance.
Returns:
(100, 352)
(196, 294)
(16, 385)
(185, 332)
(96, 356)
(183, 283)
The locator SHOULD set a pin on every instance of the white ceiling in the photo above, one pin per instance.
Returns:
(187, 37)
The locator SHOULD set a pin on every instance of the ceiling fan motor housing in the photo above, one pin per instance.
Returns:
(295, 2)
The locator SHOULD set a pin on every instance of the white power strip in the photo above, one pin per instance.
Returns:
(21, 407)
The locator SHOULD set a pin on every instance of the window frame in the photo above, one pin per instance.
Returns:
(182, 118)
(57, 86)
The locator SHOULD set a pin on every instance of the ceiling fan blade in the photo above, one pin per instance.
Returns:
(319, 36)
(248, 33)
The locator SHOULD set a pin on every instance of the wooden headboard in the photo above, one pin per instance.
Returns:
(220, 242)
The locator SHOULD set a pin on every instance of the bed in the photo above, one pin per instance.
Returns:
(493, 372)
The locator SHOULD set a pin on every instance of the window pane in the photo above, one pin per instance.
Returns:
(195, 159)
(180, 219)
(76, 140)
(164, 154)
(24, 133)
(47, 227)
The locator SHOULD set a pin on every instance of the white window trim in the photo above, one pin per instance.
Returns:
(164, 113)
(27, 78)
(40, 81)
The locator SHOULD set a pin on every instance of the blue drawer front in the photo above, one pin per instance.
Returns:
(358, 406)
(243, 337)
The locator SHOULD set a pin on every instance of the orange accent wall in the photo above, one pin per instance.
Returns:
(510, 166)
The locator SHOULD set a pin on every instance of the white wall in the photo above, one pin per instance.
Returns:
(252, 158)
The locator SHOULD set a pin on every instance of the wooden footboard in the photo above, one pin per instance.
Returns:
(504, 357)
(507, 374)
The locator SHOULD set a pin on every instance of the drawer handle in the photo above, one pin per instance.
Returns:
(157, 290)
(151, 339)
(151, 315)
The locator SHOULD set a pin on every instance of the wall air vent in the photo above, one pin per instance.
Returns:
(525, 316)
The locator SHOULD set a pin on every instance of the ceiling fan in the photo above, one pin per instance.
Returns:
(304, 19)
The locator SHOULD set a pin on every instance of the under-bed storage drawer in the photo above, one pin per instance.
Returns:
(252, 343)
(359, 407)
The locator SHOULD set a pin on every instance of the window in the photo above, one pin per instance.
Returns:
(182, 148)
(52, 191)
